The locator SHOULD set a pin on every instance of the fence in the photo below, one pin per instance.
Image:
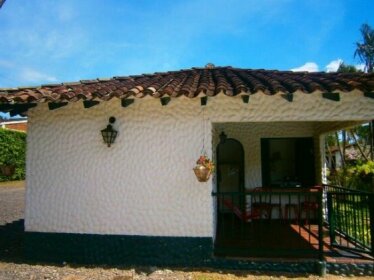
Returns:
(269, 223)
(350, 218)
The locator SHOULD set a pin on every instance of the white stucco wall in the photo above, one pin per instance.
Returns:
(144, 183)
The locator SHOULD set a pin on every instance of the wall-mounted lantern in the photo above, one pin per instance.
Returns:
(109, 134)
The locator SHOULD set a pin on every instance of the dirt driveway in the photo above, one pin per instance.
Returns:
(12, 202)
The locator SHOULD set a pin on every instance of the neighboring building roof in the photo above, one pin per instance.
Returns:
(347, 146)
(352, 151)
(16, 124)
(192, 82)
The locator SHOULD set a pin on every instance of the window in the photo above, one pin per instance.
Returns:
(287, 162)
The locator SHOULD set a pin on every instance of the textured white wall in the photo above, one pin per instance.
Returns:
(144, 183)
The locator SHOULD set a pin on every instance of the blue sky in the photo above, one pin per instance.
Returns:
(68, 40)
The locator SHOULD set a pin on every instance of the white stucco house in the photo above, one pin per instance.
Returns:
(138, 201)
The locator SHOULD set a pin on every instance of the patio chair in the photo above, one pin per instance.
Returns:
(310, 208)
(310, 205)
(306, 205)
(262, 203)
(289, 208)
(245, 216)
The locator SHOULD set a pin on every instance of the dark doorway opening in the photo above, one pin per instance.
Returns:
(288, 162)
(230, 165)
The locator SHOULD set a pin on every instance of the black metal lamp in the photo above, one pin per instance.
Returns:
(109, 134)
(222, 137)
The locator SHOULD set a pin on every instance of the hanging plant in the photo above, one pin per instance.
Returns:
(204, 168)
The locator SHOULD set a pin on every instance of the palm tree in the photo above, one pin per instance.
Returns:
(365, 50)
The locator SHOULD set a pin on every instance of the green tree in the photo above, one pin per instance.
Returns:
(365, 50)
(346, 68)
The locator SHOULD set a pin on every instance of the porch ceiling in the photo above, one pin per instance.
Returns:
(208, 81)
(328, 127)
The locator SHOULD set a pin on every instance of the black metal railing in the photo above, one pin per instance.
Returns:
(269, 223)
(350, 218)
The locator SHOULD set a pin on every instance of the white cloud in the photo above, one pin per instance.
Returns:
(309, 67)
(34, 76)
(360, 67)
(333, 66)
(18, 74)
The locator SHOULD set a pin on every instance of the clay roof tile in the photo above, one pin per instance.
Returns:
(191, 82)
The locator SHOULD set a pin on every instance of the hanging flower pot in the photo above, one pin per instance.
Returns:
(203, 169)
(204, 166)
(202, 173)
(7, 170)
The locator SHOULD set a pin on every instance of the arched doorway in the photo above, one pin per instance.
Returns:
(230, 167)
(230, 185)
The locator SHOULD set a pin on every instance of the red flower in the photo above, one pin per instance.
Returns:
(205, 161)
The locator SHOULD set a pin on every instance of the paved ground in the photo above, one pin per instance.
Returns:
(12, 203)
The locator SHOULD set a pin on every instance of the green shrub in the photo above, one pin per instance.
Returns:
(358, 176)
(13, 152)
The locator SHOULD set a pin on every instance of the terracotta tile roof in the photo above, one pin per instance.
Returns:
(191, 82)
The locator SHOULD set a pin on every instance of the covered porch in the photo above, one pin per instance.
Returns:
(275, 223)
(342, 236)
(269, 197)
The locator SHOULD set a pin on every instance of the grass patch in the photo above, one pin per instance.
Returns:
(352, 218)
